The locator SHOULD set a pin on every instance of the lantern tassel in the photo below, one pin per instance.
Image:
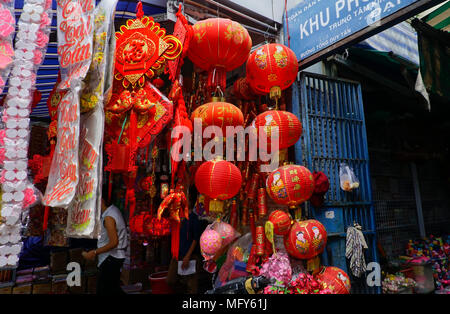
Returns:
(313, 265)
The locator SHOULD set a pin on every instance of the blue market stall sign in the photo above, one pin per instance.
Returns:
(318, 28)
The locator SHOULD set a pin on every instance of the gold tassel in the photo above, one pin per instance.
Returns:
(313, 265)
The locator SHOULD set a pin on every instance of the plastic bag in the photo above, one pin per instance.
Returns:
(215, 238)
(348, 180)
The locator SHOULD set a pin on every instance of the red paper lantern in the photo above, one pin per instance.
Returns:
(290, 185)
(335, 279)
(221, 114)
(220, 180)
(271, 69)
(289, 127)
(157, 227)
(281, 222)
(219, 45)
(306, 239)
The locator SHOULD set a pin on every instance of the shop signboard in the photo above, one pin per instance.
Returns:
(319, 28)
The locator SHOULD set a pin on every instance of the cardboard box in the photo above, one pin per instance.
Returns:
(22, 289)
(42, 288)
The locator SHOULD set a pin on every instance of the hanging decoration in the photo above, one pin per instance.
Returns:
(220, 113)
(75, 55)
(281, 222)
(272, 68)
(305, 239)
(85, 210)
(290, 185)
(17, 192)
(7, 27)
(334, 279)
(219, 45)
(288, 125)
(220, 180)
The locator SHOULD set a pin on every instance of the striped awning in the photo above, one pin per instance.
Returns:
(48, 71)
(400, 39)
(440, 18)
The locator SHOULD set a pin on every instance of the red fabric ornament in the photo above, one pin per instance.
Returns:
(289, 127)
(281, 222)
(218, 179)
(306, 239)
(219, 45)
(221, 114)
(321, 186)
(138, 222)
(290, 185)
(335, 279)
(271, 69)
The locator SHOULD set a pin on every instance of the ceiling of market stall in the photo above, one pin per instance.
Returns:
(261, 25)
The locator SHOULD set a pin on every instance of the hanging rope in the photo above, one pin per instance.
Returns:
(139, 10)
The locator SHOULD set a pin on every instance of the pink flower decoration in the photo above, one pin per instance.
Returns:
(7, 23)
(5, 117)
(29, 198)
(278, 267)
(5, 56)
(48, 4)
(2, 176)
(45, 20)
(2, 136)
(37, 56)
(2, 155)
(42, 39)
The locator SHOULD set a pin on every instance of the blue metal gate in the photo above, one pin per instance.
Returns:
(334, 131)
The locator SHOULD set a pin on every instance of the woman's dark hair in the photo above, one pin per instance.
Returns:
(105, 195)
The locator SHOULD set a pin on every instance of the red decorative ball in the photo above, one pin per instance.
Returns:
(306, 239)
(218, 179)
(289, 127)
(271, 69)
(335, 279)
(290, 185)
(281, 222)
(219, 45)
(221, 114)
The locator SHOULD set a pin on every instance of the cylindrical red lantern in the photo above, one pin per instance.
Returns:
(271, 69)
(281, 222)
(289, 127)
(335, 279)
(218, 179)
(219, 45)
(221, 114)
(290, 185)
(260, 241)
(306, 239)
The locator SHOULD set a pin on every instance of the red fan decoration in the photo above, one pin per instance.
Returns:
(271, 69)
(290, 185)
(335, 279)
(306, 239)
(219, 45)
(221, 114)
(220, 180)
(289, 127)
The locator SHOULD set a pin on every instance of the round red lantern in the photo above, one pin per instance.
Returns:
(271, 69)
(218, 179)
(157, 227)
(289, 127)
(221, 114)
(335, 279)
(290, 185)
(281, 222)
(219, 45)
(306, 239)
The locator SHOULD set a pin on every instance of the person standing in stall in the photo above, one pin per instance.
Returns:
(111, 249)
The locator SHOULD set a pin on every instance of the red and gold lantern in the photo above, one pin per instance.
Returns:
(271, 69)
(281, 222)
(289, 127)
(219, 45)
(290, 185)
(218, 179)
(221, 114)
(335, 279)
(306, 239)
(260, 241)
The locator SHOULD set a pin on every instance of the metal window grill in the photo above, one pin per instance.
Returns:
(334, 131)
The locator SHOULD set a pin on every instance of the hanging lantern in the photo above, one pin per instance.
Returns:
(220, 180)
(335, 279)
(290, 185)
(219, 45)
(306, 239)
(289, 127)
(243, 90)
(157, 227)
(221, 114)
(271, 69)
(281, 222)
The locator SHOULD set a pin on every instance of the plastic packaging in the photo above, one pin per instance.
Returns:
(348, 180)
